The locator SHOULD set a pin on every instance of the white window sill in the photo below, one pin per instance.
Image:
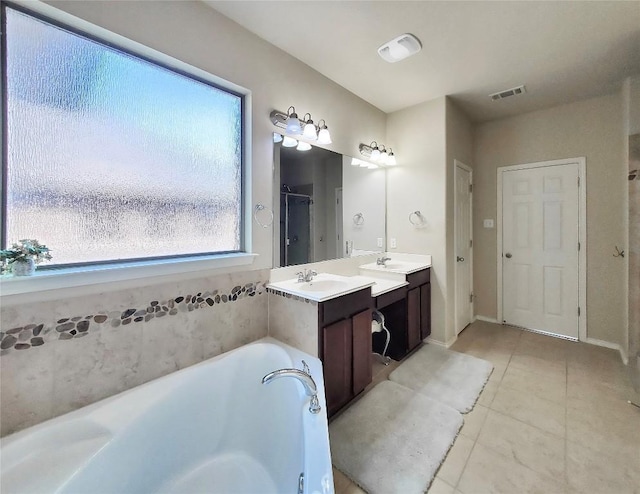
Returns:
(71, 282)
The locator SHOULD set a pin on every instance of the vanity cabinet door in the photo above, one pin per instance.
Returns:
(425, 310)
(413, 318)
(362, 373)
(337, 355)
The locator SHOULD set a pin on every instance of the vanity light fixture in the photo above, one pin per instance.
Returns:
(323, 135)
(374, 153)
(289, 142)
(303, 146)
(384, 155)
(292, 122)
(277, 137)
(391, 160)
(293, 126)
(310, 132)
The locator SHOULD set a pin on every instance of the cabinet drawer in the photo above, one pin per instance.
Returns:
(342, 307)
(419, 278)
(389, 298)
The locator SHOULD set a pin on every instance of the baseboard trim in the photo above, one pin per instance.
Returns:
(612, 346)
(486, 319)
(441, 343)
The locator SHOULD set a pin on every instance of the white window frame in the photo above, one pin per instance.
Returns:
(83, 280)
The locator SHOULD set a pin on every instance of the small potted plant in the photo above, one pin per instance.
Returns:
(23, 256)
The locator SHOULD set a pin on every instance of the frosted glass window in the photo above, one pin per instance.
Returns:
(111, 157)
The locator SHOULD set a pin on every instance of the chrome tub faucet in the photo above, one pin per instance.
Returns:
(304, 376)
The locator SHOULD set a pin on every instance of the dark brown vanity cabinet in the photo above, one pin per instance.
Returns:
(408, 314)
(345, 346)
(418, 307)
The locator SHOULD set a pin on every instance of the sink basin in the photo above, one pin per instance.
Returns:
(323, 286)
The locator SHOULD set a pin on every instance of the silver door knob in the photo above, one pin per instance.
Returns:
(460, 259)
(508, 255)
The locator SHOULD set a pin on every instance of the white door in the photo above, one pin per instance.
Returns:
(540, 234)
(463, 247)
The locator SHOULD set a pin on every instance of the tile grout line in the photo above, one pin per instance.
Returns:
(475, 441)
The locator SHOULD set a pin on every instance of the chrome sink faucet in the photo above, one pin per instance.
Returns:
(306, 276)
(304, 376)
(381, 261)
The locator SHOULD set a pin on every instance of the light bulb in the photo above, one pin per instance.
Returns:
(289, 142)
(293, 124)
(310, 131)
(375, 154)
(303, 146)
(323, 136)
(391, 160)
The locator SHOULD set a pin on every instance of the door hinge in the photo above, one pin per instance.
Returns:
(471, 297)
(578, 245)
(470, 243)
(578, 181)
(470, 188)
(578, 311)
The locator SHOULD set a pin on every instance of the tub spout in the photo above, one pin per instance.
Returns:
(304, 376)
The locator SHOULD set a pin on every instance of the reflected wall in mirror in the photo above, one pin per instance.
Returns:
(327, 208)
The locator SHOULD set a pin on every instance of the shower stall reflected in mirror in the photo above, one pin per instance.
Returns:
(296, 218)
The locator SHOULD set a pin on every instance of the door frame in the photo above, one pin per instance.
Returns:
(582, 234)
(460, 164)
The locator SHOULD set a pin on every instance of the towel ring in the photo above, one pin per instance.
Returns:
(358, 219)
(418, 220)
(257, 209)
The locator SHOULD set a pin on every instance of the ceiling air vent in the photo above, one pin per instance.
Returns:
(508, 92)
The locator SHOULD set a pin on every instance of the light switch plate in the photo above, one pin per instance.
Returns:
(379, 241)
(394, 244)
(487, 223)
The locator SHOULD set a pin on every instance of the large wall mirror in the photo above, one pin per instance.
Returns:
(327, 207)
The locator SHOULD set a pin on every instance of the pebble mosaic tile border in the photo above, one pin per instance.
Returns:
(292, 297)
(35, 335)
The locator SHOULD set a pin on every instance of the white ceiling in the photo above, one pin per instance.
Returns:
(561, 51)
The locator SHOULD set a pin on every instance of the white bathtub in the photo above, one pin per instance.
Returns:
(210, 428)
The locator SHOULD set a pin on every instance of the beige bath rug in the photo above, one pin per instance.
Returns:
(452, 378)
(393, 440)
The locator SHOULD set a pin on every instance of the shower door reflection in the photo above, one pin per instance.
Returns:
(295, 228)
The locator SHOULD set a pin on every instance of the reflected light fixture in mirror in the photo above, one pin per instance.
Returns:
(277, 137)
(289, 142)
(303, 146)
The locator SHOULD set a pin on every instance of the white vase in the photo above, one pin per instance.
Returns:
(24, 268)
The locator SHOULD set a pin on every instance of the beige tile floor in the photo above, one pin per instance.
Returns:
(553, 418)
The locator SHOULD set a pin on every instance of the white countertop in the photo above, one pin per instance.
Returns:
(381, 286)
(324, 286)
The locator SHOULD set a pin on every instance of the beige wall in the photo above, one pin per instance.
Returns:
(593, 129)
(196, 34)
(459, 142)
(417, 183)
